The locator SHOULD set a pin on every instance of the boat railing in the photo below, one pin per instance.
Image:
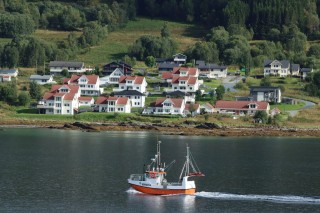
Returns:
(175, 184)
(137, 177)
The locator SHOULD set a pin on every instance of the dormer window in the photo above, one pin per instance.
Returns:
(166, 104)
(182, 82)
(252, 106)
(64, 90)
(129, 82)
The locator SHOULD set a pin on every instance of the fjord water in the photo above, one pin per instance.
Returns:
(47, 170)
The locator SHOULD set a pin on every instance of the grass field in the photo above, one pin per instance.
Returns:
(115, 46)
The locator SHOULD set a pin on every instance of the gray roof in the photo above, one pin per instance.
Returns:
(40, 77)
(177, 93)
(211, 66)
(129, 92)
(306, 70)
(8, 71)
(167, 65)
(284, 63)
(66, 64)
(295, 67)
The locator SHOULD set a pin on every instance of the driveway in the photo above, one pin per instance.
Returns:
(230, 81)
(307, 105)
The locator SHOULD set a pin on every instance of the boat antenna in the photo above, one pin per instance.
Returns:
(158, 155)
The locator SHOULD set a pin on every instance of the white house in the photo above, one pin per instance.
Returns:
(113, 78)
(295, 69)
(42, 79)
(137, 98)
(179, 59)
(73, 67)
(85, 101)
(138, 83)
(89, 84)
(276, 68)
(9, 72)
(264, 93)
(211, 70)
(114, 104)
(185, 84)
(241, 107)
(172, 106)
(62, 99)
(207, 107)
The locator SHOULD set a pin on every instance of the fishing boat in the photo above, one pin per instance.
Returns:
(153, 180)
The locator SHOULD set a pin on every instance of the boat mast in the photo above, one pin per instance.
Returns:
(158, 156)
(187, 162)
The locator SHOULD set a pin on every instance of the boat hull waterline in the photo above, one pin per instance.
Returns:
(155, 191)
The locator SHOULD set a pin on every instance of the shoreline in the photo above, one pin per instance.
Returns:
(206, 129)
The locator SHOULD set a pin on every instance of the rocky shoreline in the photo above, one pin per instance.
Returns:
(203, 129)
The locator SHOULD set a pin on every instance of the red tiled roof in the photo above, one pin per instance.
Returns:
(177, 102)
(241, 104)
(66, 80)
(73, 88)
(209, 105)
(119, 100)
(190, 80)
(136, 79)
(195, 106)
(48, 95)
(166, 75)
(101, 100)
(82, 98)
(92, 79)
(69, 96)
(190, 70)
(122, 100)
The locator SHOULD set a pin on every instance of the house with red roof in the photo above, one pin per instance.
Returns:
(61, 99)
(188, 84)
(241, 107)
(138, 83)
(113, 104)
(172, 106)
(88, 84)
(185, 71)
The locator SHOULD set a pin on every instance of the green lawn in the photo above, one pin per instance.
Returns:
(286, 107)
(115, 46)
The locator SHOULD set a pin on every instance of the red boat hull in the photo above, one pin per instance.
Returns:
(154, 191)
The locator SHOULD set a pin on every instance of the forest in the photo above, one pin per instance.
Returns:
(239, 32)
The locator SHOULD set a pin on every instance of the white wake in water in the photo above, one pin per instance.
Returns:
(268, 198)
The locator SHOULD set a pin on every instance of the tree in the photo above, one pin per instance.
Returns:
(8, 92)
(261, 116)
(204, 51)
(265, 82)
(220, 92)
(165, 33)
(150, 61)
(24, 98)
(198, 95)
(35, 90)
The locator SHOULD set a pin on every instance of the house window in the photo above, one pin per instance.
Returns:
(111, 109)
(167, 110)
(159, 110)
(129, 82)
(122, 87)
(58, 98)
(175, 88)
(58, 111)
(252, 106)
(167, 104)
(58, 105)
(68, 111)
(111, 103)
(137, 88)
(66, 105)
(176, 111)
(182, 82)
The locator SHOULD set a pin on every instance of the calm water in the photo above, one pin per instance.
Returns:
(43, 170)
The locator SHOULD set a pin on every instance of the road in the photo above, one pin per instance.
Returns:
(307, 105)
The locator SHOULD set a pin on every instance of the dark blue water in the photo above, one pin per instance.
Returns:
(44, 170)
